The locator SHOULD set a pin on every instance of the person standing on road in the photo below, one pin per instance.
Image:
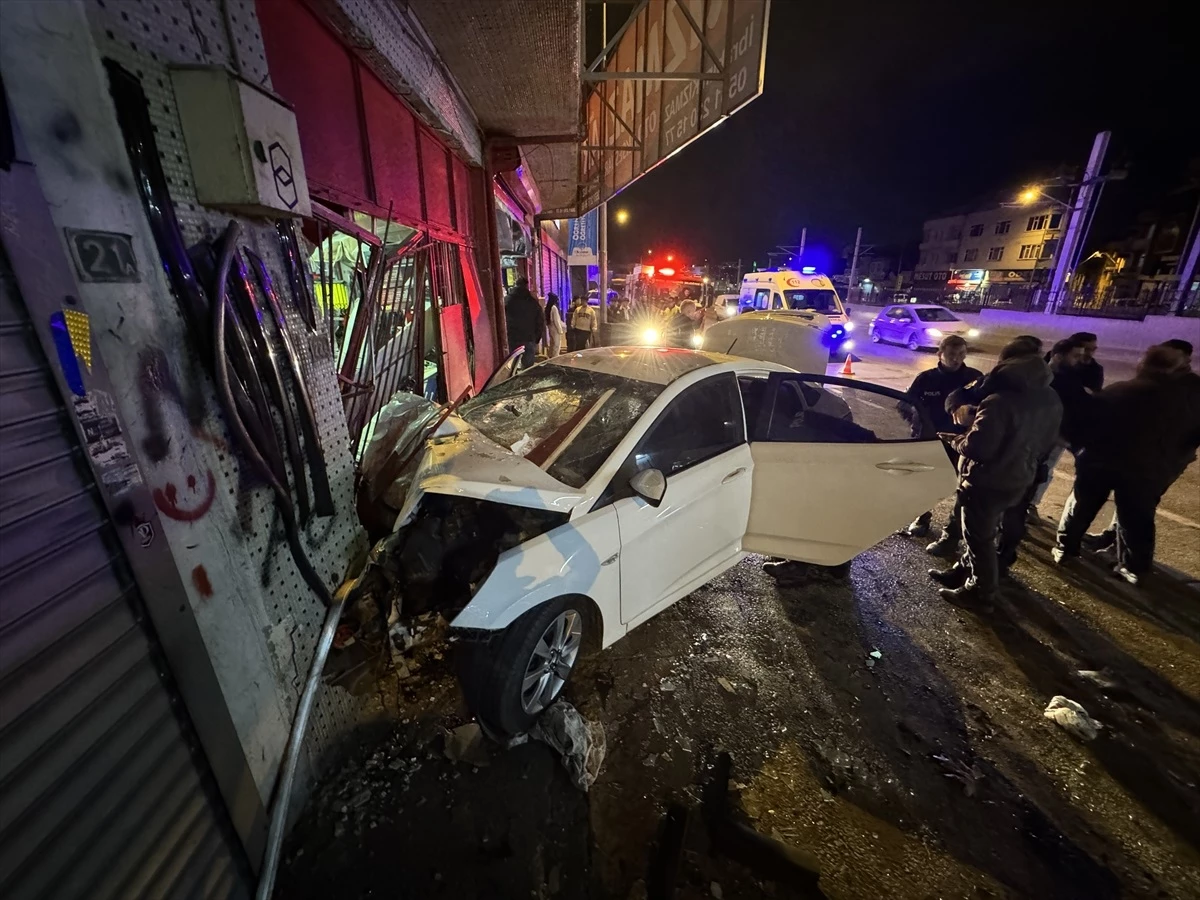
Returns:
(1070, 378)
(1091, 371)
(929, 391)
(554, 326)
(683, 326)
(1010, 434)
(1107, 538)
(1145, 434)
(523, 317)
(581, 325)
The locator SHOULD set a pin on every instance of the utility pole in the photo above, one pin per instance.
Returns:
(1189, 264)
(602, 259)
(1077, 222)
(853, 266)
(803, 239)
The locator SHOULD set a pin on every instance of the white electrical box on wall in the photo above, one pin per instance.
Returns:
(243, 144)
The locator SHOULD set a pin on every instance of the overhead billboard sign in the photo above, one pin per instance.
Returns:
(583, 240)
(679, 67)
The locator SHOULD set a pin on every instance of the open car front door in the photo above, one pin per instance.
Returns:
(838, 466)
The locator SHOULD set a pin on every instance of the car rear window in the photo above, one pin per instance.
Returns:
(564, 419)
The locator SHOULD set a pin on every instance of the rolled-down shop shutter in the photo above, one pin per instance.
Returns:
(105, 791)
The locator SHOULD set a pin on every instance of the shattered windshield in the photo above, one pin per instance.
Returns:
(565, 420)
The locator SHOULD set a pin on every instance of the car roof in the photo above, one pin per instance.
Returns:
(656, 365)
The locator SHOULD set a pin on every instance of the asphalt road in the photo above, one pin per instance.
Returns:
(1178, 543)
(897, 741)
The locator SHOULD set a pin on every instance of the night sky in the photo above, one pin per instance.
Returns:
(884, 114)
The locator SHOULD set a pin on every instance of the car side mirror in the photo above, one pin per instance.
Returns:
(650, 485)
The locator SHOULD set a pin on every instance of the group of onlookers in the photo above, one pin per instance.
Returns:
(1007, 430)
(532, 323)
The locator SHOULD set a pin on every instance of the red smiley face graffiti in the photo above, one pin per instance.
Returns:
(167, 499)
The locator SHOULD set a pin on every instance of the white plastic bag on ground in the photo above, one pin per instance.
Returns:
(581, 743)
(1072, 717)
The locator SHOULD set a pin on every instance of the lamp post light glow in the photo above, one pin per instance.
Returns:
(1029, 195)
(622, 216)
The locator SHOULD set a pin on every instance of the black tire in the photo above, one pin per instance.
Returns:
(875, 338)
(912, 342)
(492, 671)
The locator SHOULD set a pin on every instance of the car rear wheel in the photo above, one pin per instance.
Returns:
(913, 343)
(511, 679)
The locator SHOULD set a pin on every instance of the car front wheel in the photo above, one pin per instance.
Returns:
(913, 343)
(511, 679)
(875, 337)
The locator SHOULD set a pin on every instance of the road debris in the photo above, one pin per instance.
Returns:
(726, 684)
(715, 889)
(667, 685)
(1072, 718)
(969, 776)
(877, 654)
(1099, 679)
(580, 741)
(466, 744)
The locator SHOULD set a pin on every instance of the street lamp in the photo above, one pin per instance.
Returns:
(622, 216)
(1034, 194)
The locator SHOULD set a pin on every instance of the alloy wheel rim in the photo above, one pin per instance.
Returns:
(551, 662)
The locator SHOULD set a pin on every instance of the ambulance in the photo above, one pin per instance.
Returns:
(806, 294)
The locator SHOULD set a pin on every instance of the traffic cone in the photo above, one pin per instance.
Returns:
(847, 369)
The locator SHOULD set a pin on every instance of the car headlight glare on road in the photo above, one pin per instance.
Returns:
(849, 326)
(934, 332)
(650, 336)
(847, 345)
(974, 332)
(697, 341)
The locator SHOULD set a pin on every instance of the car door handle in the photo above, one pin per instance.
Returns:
(734, 474)
(904, 467)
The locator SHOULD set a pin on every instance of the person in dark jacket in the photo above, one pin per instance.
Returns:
(1090, 371)
(523, 317)
(1070, 383)
(1183, 349)
(1145, 434)
(1010, 435)
(929, 391)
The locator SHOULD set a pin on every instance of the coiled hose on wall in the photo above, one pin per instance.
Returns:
(287, 512)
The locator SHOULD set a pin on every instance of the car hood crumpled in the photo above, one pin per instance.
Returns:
(468, 464)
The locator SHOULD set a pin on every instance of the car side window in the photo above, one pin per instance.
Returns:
(702, 422)
(813, 411)
(777, 302)
(762, 298)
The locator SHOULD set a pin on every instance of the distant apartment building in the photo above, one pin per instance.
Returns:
(996, 245)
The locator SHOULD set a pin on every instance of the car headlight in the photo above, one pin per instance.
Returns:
(847, 345)
(697, 341)
(848, 325)
(974, 332)
(730, 310)
(650, 336)
(934, 332)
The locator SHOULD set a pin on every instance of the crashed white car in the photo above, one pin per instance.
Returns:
(575, 500)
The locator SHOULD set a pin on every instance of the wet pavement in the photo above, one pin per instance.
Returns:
(898, 740)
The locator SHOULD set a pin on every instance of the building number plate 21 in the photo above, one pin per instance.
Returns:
(102, 255)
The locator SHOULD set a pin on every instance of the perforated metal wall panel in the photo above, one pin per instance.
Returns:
(146, 37)
(104, 790)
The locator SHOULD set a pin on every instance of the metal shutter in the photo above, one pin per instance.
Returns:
(104, 790)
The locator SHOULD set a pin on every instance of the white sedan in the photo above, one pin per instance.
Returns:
(918, 325)
(572, 502)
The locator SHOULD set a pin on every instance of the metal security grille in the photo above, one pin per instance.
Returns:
(104, 790)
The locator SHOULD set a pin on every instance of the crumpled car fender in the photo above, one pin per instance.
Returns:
(577, 558)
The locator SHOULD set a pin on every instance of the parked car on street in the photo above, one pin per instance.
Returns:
(573, 501)
(917, 325)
